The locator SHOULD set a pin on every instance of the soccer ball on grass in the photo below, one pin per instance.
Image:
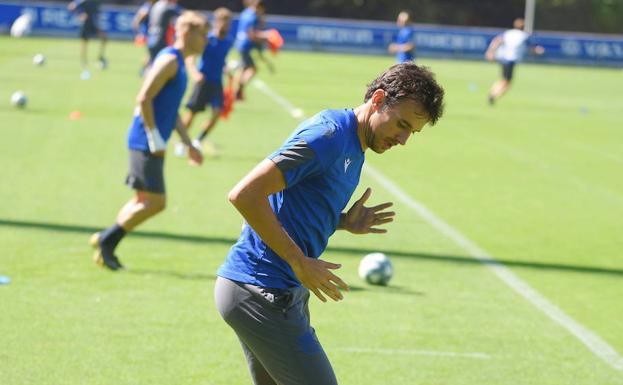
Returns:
(38, 59)
(18, 99)
(376, 269)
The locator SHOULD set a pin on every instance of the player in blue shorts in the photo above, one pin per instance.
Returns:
(155, 117)
(248, 36)
(292, 202)
(403, 46)
(88, 11)
(208, 75)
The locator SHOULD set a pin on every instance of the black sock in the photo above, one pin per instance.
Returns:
(202, 136)
(112, 236)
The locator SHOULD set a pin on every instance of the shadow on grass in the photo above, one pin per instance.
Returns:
(57, 227)
(389, 289)
(172, 274)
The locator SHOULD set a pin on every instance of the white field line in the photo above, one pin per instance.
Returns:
(296, 113)
(415, 352)
(591, 340)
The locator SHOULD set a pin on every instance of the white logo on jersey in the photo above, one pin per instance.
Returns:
(346, 164)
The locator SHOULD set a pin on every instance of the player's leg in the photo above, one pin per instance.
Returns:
(196, 103)
(83, 53)
(210, 123)
(258, 372)
(216, 102)
(244, 75)
(273, 324)
(500, 87)
(146, 177)
(102, 56)
(140, 208)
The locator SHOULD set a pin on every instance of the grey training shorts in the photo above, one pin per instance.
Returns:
(273, 327)
(146, 172)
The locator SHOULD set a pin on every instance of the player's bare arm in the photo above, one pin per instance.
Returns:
(495, 43)
(250, 197)
(164, 69)
(191, 66)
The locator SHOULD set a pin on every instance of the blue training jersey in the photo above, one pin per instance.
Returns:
(405, 35)
(248, 20)
(321, 163)
(165, 106)
(212, 60)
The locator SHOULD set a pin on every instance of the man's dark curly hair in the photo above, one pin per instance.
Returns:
(409, 81)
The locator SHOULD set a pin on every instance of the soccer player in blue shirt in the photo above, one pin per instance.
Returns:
(403, 46)
(248, 37)
(292, 202)
(208, 75)
(88, 11)
(155, 117)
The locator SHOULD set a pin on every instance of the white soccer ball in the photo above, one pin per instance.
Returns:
(18, 99)
(376, 269)
(38, 59)
(22, 26)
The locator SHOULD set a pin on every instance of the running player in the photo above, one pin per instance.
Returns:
(508, 49)
(155, 117)
(208, 76)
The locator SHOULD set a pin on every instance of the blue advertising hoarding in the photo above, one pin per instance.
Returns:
(333, 35)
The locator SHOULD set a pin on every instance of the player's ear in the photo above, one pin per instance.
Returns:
(378, 98)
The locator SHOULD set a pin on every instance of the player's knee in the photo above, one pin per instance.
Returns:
(157, 204)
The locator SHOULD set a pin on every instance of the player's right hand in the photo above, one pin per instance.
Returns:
(195, 156)
(155, 142)
(316, 275)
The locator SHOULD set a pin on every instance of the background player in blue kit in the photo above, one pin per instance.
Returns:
(208, 75)
(292, 202)
(248, 37)
(155, 117)
(403, 46)
(88, 11)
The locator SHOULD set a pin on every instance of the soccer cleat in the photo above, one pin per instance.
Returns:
(491, 100)
(102, 256)
(85, 75)
(197, 144)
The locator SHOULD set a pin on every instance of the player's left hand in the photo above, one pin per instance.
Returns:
(362, 220)
(195, 156)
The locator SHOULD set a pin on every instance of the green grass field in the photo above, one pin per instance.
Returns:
(535, 181)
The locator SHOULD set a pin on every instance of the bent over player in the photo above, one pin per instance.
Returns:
(292, 202)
